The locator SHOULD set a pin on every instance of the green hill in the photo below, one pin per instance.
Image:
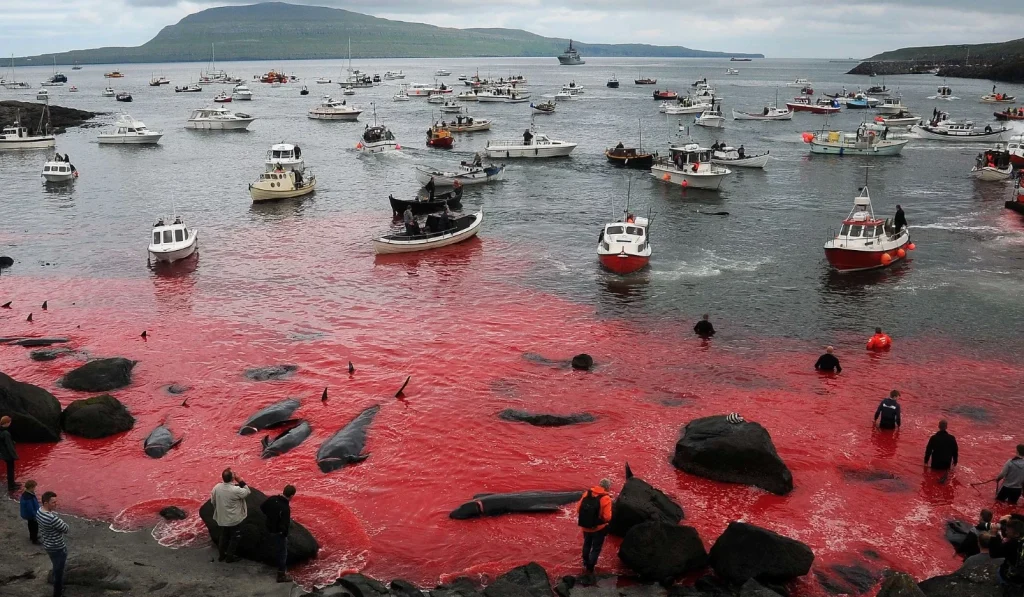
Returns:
(999, 61)
(278, 31)
(997, 52)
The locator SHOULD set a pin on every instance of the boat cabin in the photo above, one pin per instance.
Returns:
(170, 235)
(284, 155)
(997, 157)
(15, 132)
(690, 153)
(862, 225)
(634, 229)
(376, 134)
(57, 168)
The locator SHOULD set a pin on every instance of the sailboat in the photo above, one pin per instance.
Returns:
(355, 78)
(215, 75)
(57, 79)
(10, 83)
(76, 66)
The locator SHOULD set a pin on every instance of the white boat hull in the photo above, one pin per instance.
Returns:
(470, 128)
(992, 174)
(220, 125)
(530, 151)
(377, 147)
(53, 177)
(745, 116)
(259, 195)
(759, 161)
(24, 143)
(982, 137)
(129, 140)
(893, 147)
(883, 109)
(716, 122)
(345, 116)
(447, 179)
(891, 122)
(383, 246)
(710, 181)
(176, 254)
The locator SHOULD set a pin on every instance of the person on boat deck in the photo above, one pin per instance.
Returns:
(879, 341)
(942, 449)
(703, 328)
(888, 412)
(766, 111)
(446, 216)
(478, 160)
(411, 228)
(527, 137)
(457, 186)
(430, 187)
(740, 151)
(620, 146)
(900, 219)
(298, 178)
(828, 362)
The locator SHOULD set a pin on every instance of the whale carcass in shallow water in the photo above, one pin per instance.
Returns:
(346, 446)
(160, 441)
(268, 417)
(291, 438)
(496, 504)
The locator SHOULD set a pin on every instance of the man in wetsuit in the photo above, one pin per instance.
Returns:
(888, 412)
(942, 450)
(899, 221)
(703, 328)
(1012, 477)
(828, 362)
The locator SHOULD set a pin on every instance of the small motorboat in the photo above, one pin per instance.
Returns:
(173, 242)
(865, 242)
(42, 94)
(997, 98)
(304, 90)
(425, 204)
(452, 107)
(564, 95)
(891, 105)
(944, 93)
(686, 105)
(281, 184)
(331, 109)
(222, 98)
(822, 106)
(630, 157)
(218, 118)
(468, 173)
(878, 90)
(700, 83)
(1010, 114)
(433, 235)
(440, 137)
(737, 158)
(436, 98)
(863, 142)
(800, 83)
(390, 76)
(543, 107)
(468, 124)
(690, 166)
(57, 170)
(241, 92)
(72, 89)
(442, 73)
(993, 165)
(944, 129)
(858, 102)
(323, 81)
(530, 146)
(285, 157)
(807, 91)
(665, 95)
(612, 83)
(624, 247)
(467, 96)
(732, 71)
(401, 96)
(349, 90)
(128, 131)
(711, 118)
(645, 81)
(124, 96)
(190, 88)
(158, 81)
(897, 120)
(463, 77)
(113, 75)
(769, 113)
(377, 138)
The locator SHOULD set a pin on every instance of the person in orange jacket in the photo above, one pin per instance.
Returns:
(594, 512)
(879, 341)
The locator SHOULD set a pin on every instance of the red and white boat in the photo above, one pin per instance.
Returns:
(665, 95)
(1016, 149)
(822, 106)
(624, 247)
(1016, 202)
(222, 98)
(866, 242)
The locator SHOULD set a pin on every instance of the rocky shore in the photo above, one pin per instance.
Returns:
(1006, 72)
(29, 112)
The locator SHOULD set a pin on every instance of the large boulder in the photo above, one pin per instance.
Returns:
(96, 417)
(359, 585)
(732, 453)
(101, 375)
(543, 419)
(658, 551)
(34, 412)
(968, 581)
(256, 543)
(899, 584)
(745, 551)
(752, 588)
(460, 587)
(640, 502)
(93, 570)
(530, 580)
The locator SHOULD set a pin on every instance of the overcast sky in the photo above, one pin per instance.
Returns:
(776, 28)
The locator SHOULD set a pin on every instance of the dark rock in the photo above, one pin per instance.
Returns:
(362, 586)
(30, 113)
(530, 580)
(93, 570)
(176, 389)
(640, 502)
(732, 453)
(657, 550)
(564, 587)
(6, 261)
(973, 581)
(34, 412)
(856, 576)
(269, 373)
(545, 420)
(899, 584)
(173, 513)
(96, 417)
(402, 588)
(460, 587)
(48, 354)
(583, 362)
(752, 588)
(745, 551)
(256, 543)
(101, 375)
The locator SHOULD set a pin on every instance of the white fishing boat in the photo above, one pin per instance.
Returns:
(898, 120)
(42, 94)
(434, 236)
(218, 118)
(543, 107)
(281, 184)
(467, 96)
(442, 73)
(769, 113)
(463, 77)
(435, 97)
(425, 90)
(452, 107)
(685, 105)
(468, 124)
(964, 132)
(733, 158)
(944, 92)
(997, 98)
(190, 88)
(624, 247)
(863, 142)
(331, 109)
(19, 137)
(800, 83)
(377, 138)
(174, 241)
(390, 76)
(57, 170)
(285, 157)
(401, 96)
(573, 88)
(468, 173)
(129, 131)
(690, 166)
(711, 118)
(241, 92)
(993, 165)
(531, 146)
(323, 81)
(732, 71)
(891, 105)
(564, 95)
(109, 92)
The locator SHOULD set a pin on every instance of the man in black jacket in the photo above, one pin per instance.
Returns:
(899, 221)
(888, 412)
(942, 449)
(279, 522)
(7, 452)
(703, 328)
(828, 362)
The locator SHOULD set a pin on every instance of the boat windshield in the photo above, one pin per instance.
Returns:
(179, 235)
(167, 236)
(156, 238)
(614, 230)
(634, 230)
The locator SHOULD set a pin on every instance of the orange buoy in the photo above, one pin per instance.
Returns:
(901, 253)
(808, 137)
(685, 183)
(667, 176)
(911, 247)
(886, 259)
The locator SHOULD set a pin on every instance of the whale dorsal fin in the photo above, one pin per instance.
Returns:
(265, 441)
(629, 472)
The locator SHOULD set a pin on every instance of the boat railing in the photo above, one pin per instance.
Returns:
(518, 143)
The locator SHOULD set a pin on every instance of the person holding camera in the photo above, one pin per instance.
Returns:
(1007, 544)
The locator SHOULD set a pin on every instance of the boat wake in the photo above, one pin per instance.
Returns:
(711, 266)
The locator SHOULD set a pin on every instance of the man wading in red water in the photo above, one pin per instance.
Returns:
(888, 412)
(594, 512)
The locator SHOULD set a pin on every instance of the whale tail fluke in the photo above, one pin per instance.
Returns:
(629, 472)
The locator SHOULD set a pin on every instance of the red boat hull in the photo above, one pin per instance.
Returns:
(812, 109)
(442, 143)
(1017, 160)
(623, 264)
(846, 260)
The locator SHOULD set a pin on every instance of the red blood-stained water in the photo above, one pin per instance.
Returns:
(474, 345)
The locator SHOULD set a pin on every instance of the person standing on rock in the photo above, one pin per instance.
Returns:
(888, 412)
(29, 505)
(942, 450)
(52, 530)
(279, 521)
(230, 510)
(594, 512)
(7, 452)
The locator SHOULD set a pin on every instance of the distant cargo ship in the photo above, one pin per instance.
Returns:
(740, 59)
(571, 56)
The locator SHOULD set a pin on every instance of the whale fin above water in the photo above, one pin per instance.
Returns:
(402, 389)
(629, 472)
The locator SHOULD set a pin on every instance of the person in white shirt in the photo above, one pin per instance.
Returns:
(228, 499)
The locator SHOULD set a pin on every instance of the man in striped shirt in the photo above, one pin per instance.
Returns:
(52, 530)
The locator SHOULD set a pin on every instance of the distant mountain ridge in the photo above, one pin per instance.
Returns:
(279, 31)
